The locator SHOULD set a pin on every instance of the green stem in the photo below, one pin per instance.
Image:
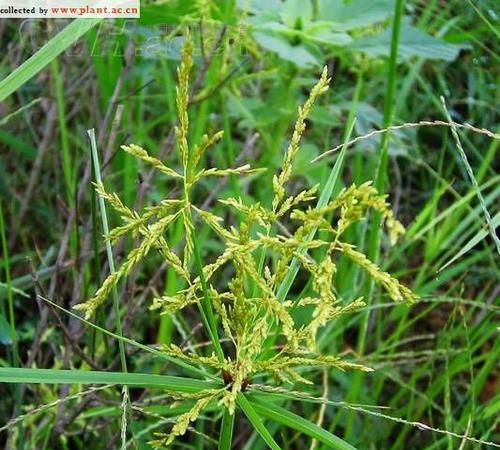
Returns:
(380, 181)
(10, 298)
(12, 319)
(61, 113)
(112, 269)
(109, 251)
(381, 172)
(206, 310)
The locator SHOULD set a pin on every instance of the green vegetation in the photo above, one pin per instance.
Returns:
(332, 284)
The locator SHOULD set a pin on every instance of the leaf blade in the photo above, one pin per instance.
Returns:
(256, 421)
(51, 50)
(291, 420)
(59, 376)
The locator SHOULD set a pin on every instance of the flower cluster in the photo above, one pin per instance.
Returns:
(259, 322)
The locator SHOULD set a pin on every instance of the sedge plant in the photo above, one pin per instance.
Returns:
(237, 292)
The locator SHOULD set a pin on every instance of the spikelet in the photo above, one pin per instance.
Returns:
(215, 223)
(140, 153)
(292, 201)
(182, 423)
(322, 284)
(170, 304)
(137, 254)
(280, 180)
(182, 100)
(394, 288)
(188, 234)
(115, 202)
(287, 362)
(355, 200)
(206, 142)
(134, 223)
(221, 309)
(211, 361)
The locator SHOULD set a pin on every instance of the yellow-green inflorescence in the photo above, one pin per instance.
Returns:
(247, 304)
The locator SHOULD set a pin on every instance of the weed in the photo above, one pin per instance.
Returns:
(246, 302)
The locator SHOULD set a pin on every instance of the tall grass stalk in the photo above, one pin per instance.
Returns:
(10, 296)
(109, 251)
(380, 181)
(61, 113)
(116, 304)
(12, 320)
(381, 171)
(206, 310)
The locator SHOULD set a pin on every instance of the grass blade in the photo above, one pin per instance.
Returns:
(16, 362)
(8, 284)
(478, 237)
(109, 251)
(131, 342)
(473, 180)
(57, 376)
(45, 55)
(226, 431)
(289, 419)
(256, 421)
(381, 171)
(380, 182)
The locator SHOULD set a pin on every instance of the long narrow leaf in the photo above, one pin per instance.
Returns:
(45, 55)
(109, 251)
(289, 419)
(256, 421)
(131, 342)
(226, 431)
(478, 237)
(472, 177)
(55, 376)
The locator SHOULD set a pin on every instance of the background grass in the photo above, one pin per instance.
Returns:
(436, 363)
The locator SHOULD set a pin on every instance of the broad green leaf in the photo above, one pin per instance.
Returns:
(52, 376)
(291, 420)
(159, 13)
(261, 6)
(52, 49)
(297, 54)
(326, 36)
(413, 42)
(347, 15)
(296, 13)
